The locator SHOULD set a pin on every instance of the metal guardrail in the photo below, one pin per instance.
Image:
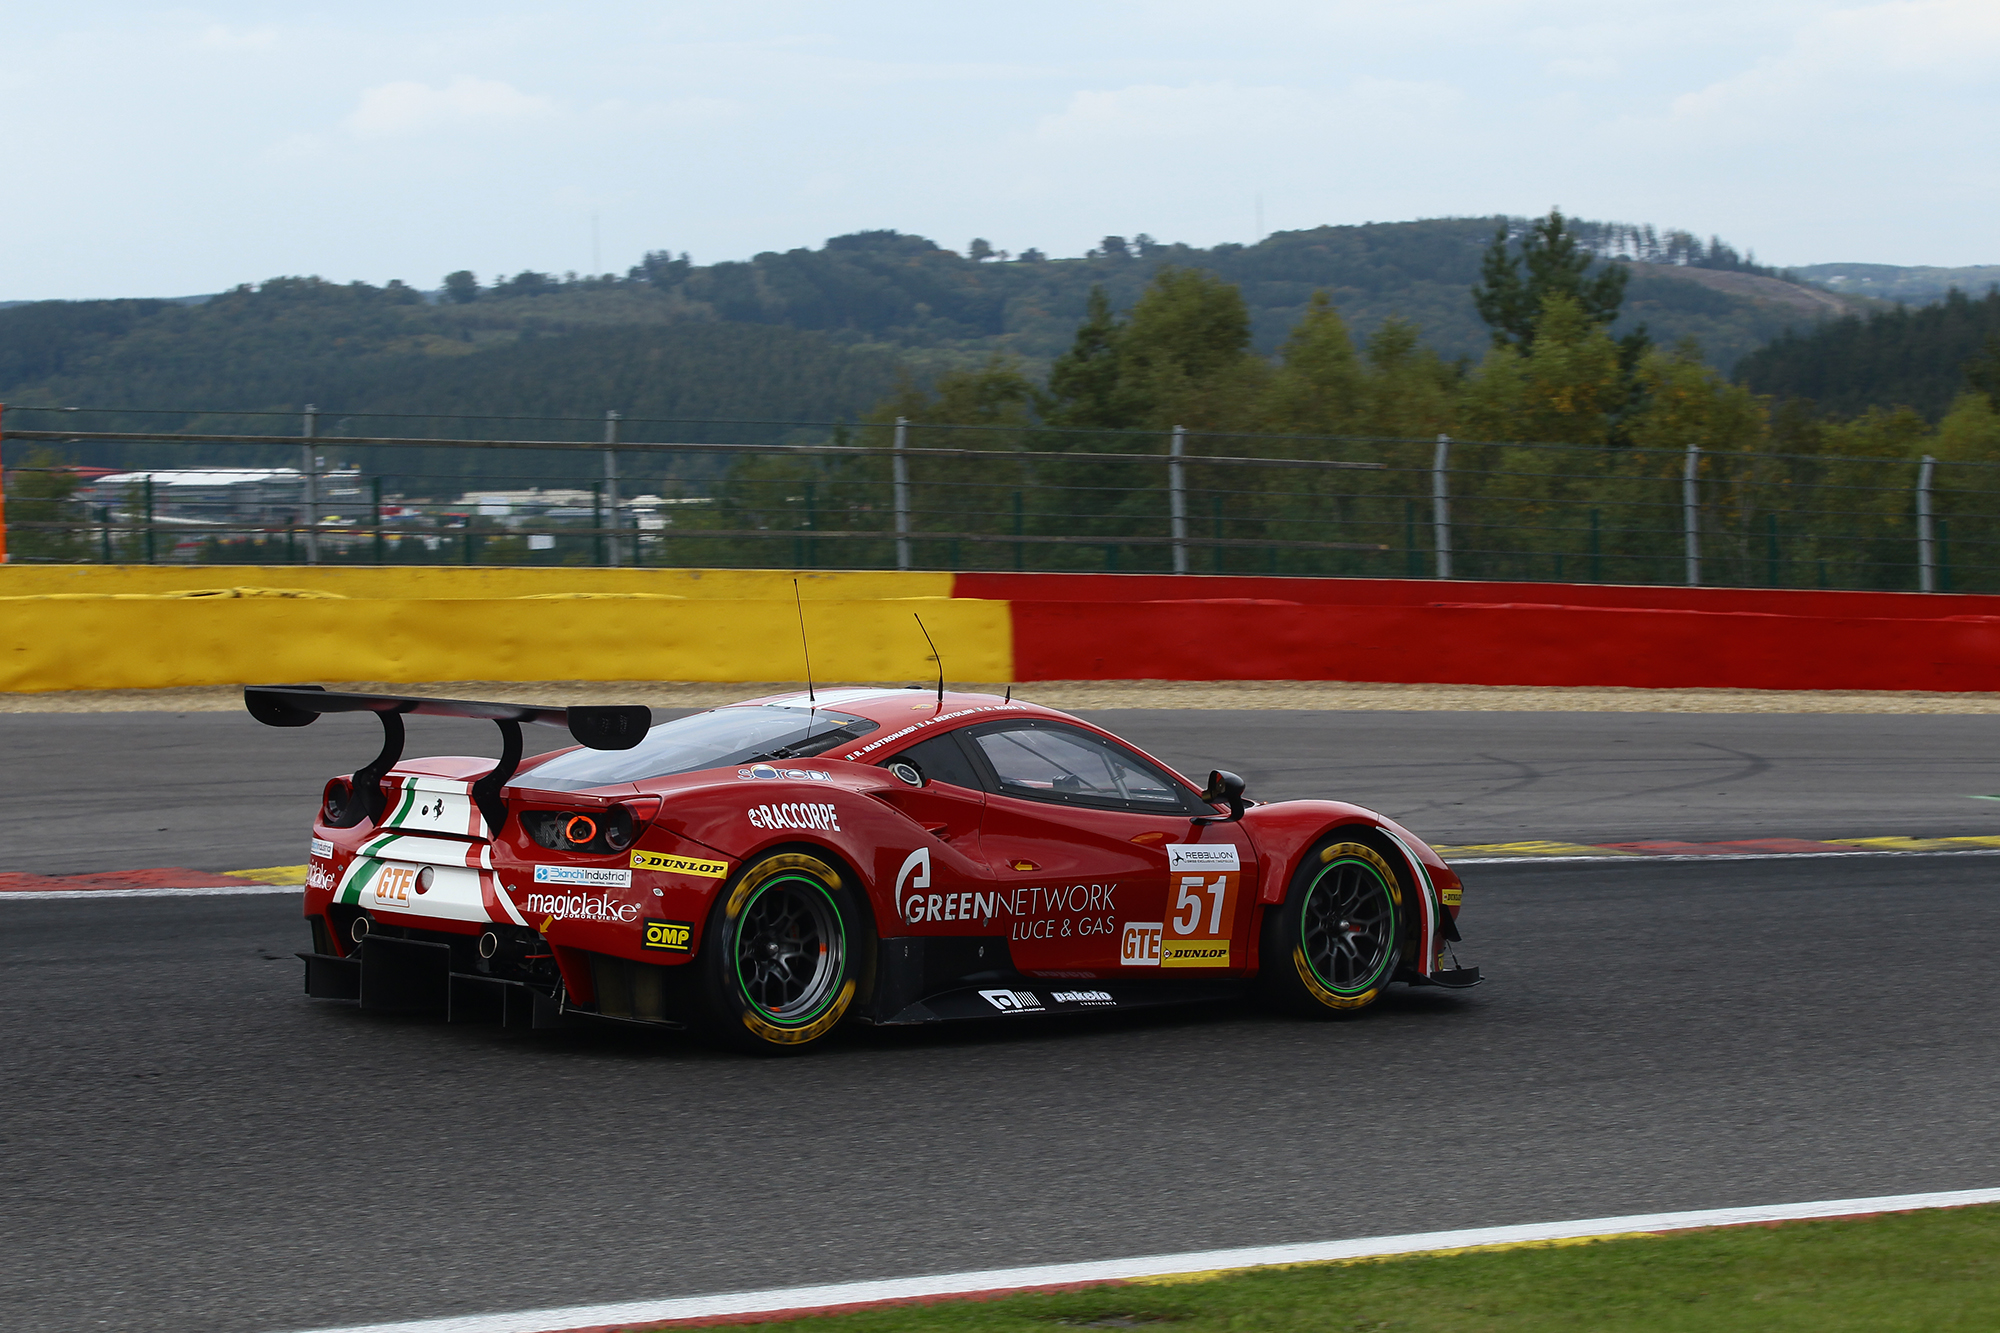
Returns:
(1434, 507)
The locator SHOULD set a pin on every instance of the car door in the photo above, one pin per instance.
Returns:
(1076, 831)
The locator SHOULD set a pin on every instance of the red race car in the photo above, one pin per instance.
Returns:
(762, 872)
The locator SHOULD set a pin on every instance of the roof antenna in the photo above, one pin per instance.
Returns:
(935, 658)
(1010, 692)
(805, 647)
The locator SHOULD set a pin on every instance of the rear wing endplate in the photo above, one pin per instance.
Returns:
(599, 726)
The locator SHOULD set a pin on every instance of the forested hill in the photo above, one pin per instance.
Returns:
(807, 334)
(1891, 358)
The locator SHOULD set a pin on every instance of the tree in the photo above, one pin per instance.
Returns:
(980, 250)
(1112, 247)
(461, 287)
(1982, 372)
(1083, 382)
(1512, 303)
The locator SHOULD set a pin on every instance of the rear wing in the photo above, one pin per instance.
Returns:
(601, 727)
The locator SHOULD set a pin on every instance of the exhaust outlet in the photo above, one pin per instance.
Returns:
(359, 930)
(489, 944)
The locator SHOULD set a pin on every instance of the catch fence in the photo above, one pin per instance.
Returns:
(909, 495)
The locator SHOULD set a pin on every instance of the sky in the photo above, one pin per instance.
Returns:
(168, 151)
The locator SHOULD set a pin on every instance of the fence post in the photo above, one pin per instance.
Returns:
(149, 518)
(900, 469)
(1441, 506)
(1926, 529)
(611, 483)
(309, 474)
(1177, 498)
(597, 521)
(1691, 515)
(3, 497)
(375, 486)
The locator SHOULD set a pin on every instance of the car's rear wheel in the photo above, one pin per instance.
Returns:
(1331, 947)
(781, 959)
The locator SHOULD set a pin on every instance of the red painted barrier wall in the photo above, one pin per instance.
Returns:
(1158, 627)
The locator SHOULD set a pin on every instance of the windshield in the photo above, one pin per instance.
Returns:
(714, 739)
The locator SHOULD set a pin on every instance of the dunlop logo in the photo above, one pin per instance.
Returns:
(679, 865)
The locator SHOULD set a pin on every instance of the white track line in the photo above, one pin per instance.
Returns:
(570, 1319)
(1628, 858)
(218, 891)
(1651, 858)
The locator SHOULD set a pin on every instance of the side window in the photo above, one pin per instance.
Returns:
(941, 760)
(1076, 768)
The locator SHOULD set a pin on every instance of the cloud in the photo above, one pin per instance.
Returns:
(1864, 50)
(1222, 112)
(413, 108)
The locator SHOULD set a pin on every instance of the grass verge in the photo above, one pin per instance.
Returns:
(1932, 1271)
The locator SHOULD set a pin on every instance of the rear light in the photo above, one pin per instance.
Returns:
(611, 829)
(341, 805)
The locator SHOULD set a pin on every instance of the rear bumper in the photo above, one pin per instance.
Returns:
(415, 977)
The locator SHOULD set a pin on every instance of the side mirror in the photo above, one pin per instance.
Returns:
(1224, 787)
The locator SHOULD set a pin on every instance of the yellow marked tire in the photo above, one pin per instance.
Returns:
(782, 960)
(1332, 947)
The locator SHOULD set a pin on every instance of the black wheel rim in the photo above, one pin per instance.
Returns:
(1347, 929)
(790, 949)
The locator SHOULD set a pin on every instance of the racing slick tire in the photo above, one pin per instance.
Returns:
(1330, 948)
(783, 957)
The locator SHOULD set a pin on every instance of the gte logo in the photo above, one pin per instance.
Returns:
(1140, 945)
(393, 885)
(1011, 1001)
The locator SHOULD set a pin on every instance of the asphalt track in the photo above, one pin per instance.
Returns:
(186, 1143)
(218, 791)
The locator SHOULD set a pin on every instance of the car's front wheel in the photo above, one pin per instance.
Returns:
(782, 956)
(1331, 947)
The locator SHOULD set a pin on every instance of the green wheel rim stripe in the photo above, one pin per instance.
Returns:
(1377, 973)
(831, 992)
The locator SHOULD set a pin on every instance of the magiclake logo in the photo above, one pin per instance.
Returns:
(671, 936)
(679, 865)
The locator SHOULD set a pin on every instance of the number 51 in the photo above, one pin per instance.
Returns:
(1192, 887)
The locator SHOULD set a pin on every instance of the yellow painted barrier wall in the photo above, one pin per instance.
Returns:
(422, 581)
(110, 642)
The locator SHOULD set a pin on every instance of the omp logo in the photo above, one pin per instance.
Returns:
(1011, 1001)
(915, 874)
(1194, 953)
(393, 885)
(1140, 945)
(672, 936)
(679, 865)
